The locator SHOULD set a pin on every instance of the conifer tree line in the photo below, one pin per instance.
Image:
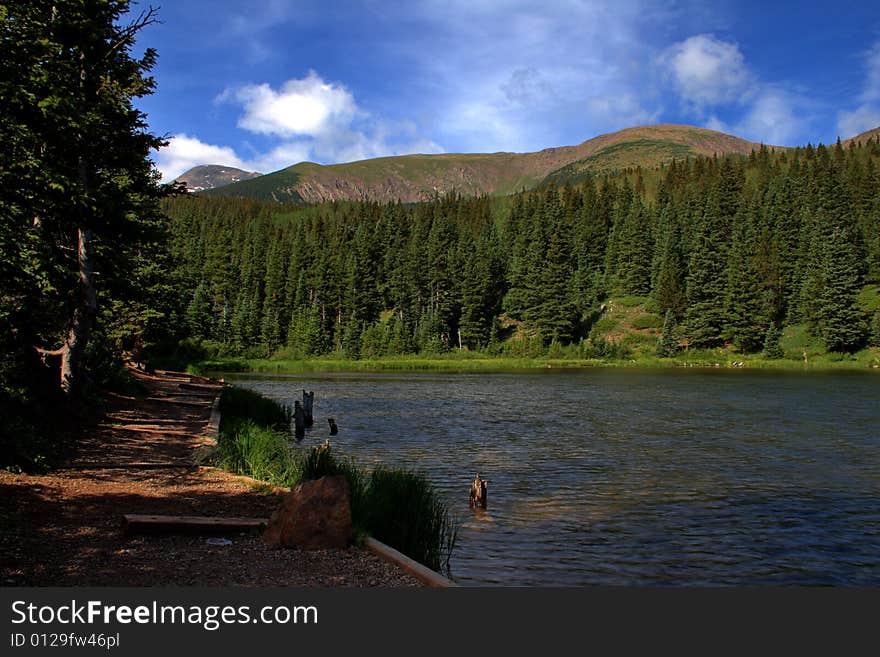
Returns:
(728, 250)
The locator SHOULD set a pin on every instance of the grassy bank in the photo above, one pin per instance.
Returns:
(866, 359)
(396, 506)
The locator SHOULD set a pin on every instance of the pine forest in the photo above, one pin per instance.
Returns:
(722, 251)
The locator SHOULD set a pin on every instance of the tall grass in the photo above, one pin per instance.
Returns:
(398, 507)
(237, 404)
(254, 437)
(257, 451)
(406, 512)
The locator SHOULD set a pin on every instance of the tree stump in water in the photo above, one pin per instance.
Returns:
(308, 403)
(478, 492)
(299, 426)
(333, 428)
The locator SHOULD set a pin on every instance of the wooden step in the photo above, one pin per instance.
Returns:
(211, 388)
(133, 523)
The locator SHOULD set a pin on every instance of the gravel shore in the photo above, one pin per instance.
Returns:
(64, 528)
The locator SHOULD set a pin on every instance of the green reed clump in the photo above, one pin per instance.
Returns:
(254, 437)
(237, 404)
(408, 514)
(398, 507)
(257, 451)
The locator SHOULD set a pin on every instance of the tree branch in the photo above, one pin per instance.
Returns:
(46, 353)
(146, 17)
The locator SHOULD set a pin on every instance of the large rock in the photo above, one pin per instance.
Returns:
(314, 515)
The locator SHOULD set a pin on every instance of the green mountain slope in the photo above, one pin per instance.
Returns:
(411, 178)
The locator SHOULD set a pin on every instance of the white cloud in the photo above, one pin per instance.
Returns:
(319, 121)
(282, 156)
(712, 80)
(871, 94)
(772, 119)
(861, 119)
(309, 107)
(308, 120)
(707, 71)
(623, 110)
(515, 75)
(184, 152)
(867, 115)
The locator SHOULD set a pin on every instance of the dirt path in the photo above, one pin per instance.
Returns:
(64, 528)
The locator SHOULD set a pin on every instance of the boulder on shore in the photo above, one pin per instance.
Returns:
(314, 515)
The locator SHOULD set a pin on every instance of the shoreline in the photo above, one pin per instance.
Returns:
(269, 366)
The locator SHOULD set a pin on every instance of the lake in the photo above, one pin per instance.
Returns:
(680, 477)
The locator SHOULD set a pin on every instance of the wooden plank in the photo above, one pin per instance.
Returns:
(211, 388)
(182, 402)
(133, 523)
(422, 573)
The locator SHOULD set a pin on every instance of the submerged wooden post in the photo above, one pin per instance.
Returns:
(478, 492)
(299, 427)
(308, 404)
(333, 428)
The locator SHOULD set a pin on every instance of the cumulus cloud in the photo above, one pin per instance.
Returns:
(307, 107)
(867, 115)
(304, 119)
(707, 71)
(281, 156)
(321, 121)
(712, 78)
(184, 152)
(772, 118)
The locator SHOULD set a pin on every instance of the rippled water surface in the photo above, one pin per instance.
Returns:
(630, 477)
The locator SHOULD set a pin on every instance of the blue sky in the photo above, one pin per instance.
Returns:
(264, 84)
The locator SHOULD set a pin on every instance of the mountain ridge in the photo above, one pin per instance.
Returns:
(873, 133)
(418, 177)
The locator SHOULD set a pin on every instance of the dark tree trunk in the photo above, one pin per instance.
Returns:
(83, 315)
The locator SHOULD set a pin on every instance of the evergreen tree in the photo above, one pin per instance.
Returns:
(351, 338)
(198, 314)
(480, 292)
(840, 324)
(634, 251)
(623, 203)
(531, 294)
(275, 308)
(772, 347)
(875, 330)
(667, 345)
(745, 323)
(555, 315)
(668, 284)
(78, 189)
(706, 317)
